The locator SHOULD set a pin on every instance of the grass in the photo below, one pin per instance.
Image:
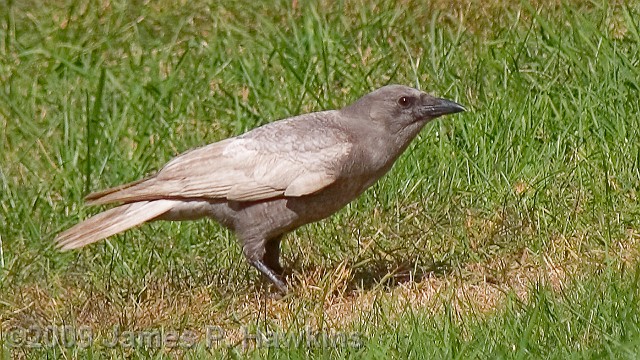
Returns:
(509, 231)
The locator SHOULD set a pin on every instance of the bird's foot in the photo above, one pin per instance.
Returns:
(271, 275)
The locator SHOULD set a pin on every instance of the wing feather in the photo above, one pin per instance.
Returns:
(292, 157)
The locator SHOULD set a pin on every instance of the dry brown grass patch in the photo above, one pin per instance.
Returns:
(321, 298)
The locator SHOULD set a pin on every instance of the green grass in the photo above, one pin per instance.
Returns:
(508, 231)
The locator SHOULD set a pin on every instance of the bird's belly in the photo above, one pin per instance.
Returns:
(273, 216)
(326, 202)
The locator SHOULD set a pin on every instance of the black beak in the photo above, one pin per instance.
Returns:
(438, 107)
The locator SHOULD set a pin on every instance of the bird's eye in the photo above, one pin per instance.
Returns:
(404, 101)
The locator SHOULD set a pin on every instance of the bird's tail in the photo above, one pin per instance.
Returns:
(111, 222)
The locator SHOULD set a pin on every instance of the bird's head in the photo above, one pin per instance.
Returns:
(398, 108)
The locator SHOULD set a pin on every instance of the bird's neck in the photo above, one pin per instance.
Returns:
(379, 148)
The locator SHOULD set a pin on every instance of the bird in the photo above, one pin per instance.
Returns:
(274, 178)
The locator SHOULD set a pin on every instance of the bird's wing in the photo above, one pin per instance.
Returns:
(286, 158)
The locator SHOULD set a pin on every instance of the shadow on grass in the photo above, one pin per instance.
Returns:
(378, 273)
(390, 273)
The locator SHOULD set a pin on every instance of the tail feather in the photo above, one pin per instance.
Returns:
(111, 222)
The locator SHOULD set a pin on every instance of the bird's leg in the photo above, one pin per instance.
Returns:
(260, 265)
(272, 255)
(263, 255)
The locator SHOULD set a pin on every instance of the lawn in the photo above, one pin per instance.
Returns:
(509, 231)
